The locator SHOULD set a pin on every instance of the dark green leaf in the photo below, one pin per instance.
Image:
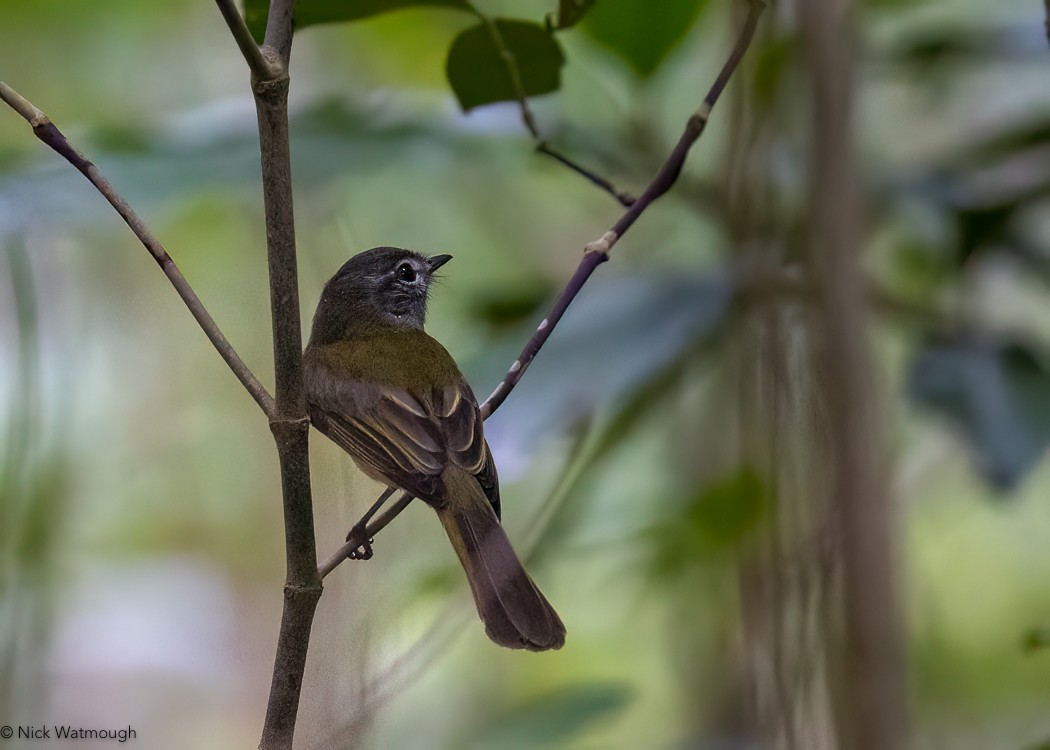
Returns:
(1036, 639)
(997, 394)
(554, 719)
(311, 12)
(640, 31)
(479, 74)
(728, 509)
(569, 14)
(981, 227)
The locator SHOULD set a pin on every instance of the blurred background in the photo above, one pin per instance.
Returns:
(664, 462)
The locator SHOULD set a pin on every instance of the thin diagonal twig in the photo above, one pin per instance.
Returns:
(595, 254)
(49, 133)
(625, 199)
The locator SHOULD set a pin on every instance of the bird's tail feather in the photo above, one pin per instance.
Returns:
(515, 613)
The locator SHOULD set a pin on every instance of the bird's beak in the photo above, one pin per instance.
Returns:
(437, 261)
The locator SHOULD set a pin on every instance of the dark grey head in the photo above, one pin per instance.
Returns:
(385, 285)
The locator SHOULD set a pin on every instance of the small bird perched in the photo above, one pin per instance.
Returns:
(393, 398)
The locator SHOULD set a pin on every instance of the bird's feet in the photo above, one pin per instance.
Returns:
(364, 549)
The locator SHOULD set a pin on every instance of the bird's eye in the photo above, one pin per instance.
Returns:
(405, 272)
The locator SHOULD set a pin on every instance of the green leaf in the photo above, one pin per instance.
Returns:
(569, 14)
(479, 74)
(640, 31)
(312, 12)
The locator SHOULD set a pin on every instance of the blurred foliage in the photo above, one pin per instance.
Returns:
(1036, 639)
(33, 491)
(553, 720)
(999, 393)
(643, 38)
(718, 518)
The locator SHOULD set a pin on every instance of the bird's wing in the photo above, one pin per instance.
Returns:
(406, 438)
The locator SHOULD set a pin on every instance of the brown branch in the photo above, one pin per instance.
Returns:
(279, 28)
(595, 254)
(49, 133)
(529, 120)
(873, 688)
(625, 199)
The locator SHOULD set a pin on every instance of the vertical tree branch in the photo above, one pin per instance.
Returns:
(290, 424)
(873, 712)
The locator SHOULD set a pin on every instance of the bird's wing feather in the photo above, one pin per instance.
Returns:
(408, 438)
(461, 424)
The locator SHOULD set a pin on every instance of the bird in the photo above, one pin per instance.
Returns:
(393, 398)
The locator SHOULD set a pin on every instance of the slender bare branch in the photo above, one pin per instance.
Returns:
(595, 254)
(49, 133)
(261, 67)
(625, 199)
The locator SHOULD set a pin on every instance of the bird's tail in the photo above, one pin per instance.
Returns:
(515, 613)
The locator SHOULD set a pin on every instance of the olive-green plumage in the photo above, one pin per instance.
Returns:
(394, 399)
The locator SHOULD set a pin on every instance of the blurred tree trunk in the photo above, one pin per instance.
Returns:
(820, 653)
(783, 567)
(869, 665)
